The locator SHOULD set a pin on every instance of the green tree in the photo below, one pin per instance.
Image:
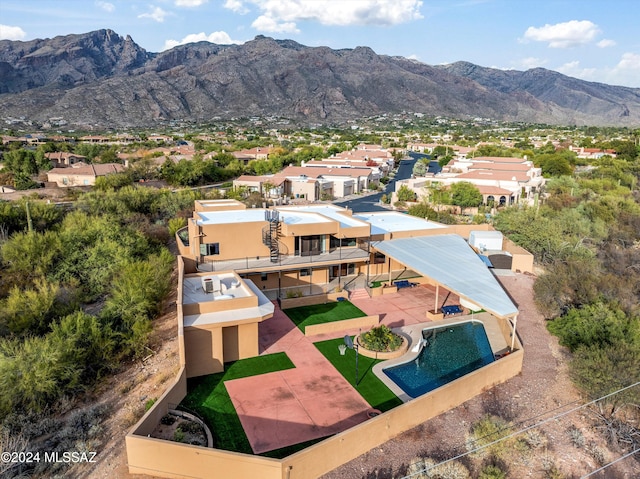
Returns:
(465, 195)
(423, 210)
(406, 194)
(420, 167)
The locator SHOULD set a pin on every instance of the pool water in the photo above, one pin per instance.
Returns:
(452, 351)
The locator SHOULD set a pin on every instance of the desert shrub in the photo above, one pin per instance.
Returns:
(175, 224)
(30, 424)
(600, 371)
(167, 420)
(535, 438)
(178, 435)
(149, 403)
(191, 427)
(489, 429)
(550, 468)
(381, 339)
(597, 453)
(492, 472)
(597, 324)
(426, 468)
(577, 438)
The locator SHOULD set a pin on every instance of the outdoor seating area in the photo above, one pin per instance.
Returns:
(404, 283)
(451, 310)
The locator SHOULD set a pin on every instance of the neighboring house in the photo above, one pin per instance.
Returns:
(592, 153)
(94, 139)
(160, 138)
(82, 176)
(313, 183)
(335, 182)
(62, 159)
(453, 150)
(259, 183)
(501, 181)
(257, 153)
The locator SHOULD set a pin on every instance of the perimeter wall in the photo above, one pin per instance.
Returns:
(160, 458)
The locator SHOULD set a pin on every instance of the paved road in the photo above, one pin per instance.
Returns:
(361, 204)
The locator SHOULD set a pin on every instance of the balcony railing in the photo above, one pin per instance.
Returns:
(264, 263)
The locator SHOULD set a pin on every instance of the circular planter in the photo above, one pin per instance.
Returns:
(404, 347)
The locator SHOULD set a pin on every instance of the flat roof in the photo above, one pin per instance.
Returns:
(230, 216)
(265, 308)
(392, 221)
(193, 292)
(336, 213)
(450, 261)
(257, 214)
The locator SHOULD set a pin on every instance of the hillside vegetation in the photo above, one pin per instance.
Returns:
(79, 292)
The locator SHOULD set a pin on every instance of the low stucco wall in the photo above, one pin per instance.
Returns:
(313, 299)
(383, 355)
(176, 460)
(522, 260)
(345, 324)
(170, 459)
(169, 400)
(344, 447)
(160, 458)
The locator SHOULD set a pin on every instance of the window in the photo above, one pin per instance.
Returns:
(208, 249)
(344, 242)
(379, 258)
(305, 272)
(351, 268)
(263, 276)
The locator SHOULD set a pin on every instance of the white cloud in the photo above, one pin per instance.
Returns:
(157, 14)
(626, 72)
(236, 6)
(531, 62)
(604, 43)
(190, 3)
(106, 6)
(283, 15)
(9, 32)
(221, 38)
(564, 35)
(265, 23)
(573, 69)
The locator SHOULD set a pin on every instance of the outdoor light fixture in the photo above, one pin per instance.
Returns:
(349, 343)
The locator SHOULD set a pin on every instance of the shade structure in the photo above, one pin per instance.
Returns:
(450, 261)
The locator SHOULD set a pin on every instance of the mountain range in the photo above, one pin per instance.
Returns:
(103, 80)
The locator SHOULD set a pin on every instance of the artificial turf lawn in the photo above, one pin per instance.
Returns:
(323, 313)
(369, 386)
(208, 397)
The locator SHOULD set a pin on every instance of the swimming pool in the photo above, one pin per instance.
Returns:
(449, 352)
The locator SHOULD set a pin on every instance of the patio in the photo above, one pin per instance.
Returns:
(313, 400)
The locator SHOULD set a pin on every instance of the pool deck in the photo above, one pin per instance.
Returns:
(414, 333)
(313, 400)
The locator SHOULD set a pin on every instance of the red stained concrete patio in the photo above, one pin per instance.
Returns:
(313, 400)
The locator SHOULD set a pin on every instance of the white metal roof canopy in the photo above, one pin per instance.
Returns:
(450, 261)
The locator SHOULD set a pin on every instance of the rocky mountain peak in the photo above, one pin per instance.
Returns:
(100, 78)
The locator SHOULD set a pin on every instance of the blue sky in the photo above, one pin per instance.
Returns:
(595, 40)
